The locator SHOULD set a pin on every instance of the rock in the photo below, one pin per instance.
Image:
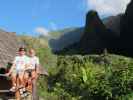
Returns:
(115, 34)
(126, 29)
(67, 38)
(96, 37)
(113, 23)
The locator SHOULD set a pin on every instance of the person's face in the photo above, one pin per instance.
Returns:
(32, 53)
(21, 53)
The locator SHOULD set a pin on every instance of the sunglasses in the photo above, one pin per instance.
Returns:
(21, 50)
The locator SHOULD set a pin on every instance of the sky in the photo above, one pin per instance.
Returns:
(41, 16)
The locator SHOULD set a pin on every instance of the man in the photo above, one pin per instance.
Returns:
(33, 65)
(31, 73)
(18, 68)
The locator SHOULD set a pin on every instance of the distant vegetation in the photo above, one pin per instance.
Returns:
(64, 38)
(58, 33)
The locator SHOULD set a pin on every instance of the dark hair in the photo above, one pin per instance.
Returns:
(22, 49)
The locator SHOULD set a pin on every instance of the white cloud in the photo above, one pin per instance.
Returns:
(42, 31)
(108, 7)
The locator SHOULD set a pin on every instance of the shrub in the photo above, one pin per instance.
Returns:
(85, 77)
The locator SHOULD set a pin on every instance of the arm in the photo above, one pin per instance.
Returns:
(10, 71)
(12, 67)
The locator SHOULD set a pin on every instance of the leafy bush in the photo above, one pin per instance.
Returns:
(92, 78)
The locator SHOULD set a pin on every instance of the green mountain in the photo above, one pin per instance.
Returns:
(68, 37)
(58, 33)
(64, 38)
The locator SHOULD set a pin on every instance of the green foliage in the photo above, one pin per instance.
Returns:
(57, 34)
(92, 78)
(84, 74)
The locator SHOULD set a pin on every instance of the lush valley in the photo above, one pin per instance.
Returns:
(88, 77)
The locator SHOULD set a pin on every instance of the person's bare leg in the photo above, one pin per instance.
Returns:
(13, 77)
(17, 95)
(17, 83)
(26, 77)
(21, 78)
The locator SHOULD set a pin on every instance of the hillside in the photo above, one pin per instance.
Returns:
(113, 33)
(90, 77)
(113, 23)
(66, 38)
(63, 39)
(81, 77)
(58, 33)
(126, 28)
(96, 37)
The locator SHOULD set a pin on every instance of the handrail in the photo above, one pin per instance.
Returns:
(4, 91)
(3, 75)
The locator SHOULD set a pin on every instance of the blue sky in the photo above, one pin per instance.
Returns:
(32, 16)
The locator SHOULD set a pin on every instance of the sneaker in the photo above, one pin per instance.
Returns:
(13, 89)
(25, 94)
(24, 89)
(21, 91)
(22, 95)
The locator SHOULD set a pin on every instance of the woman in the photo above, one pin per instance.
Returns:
(17, 69)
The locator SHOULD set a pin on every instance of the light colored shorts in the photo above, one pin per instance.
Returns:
(17, 72)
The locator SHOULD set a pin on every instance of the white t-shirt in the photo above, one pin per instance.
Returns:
(33, 61)
(20, 62)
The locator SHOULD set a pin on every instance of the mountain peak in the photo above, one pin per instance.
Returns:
(91, 14)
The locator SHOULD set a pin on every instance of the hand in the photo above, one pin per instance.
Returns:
(7, 74)
(46, 73)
